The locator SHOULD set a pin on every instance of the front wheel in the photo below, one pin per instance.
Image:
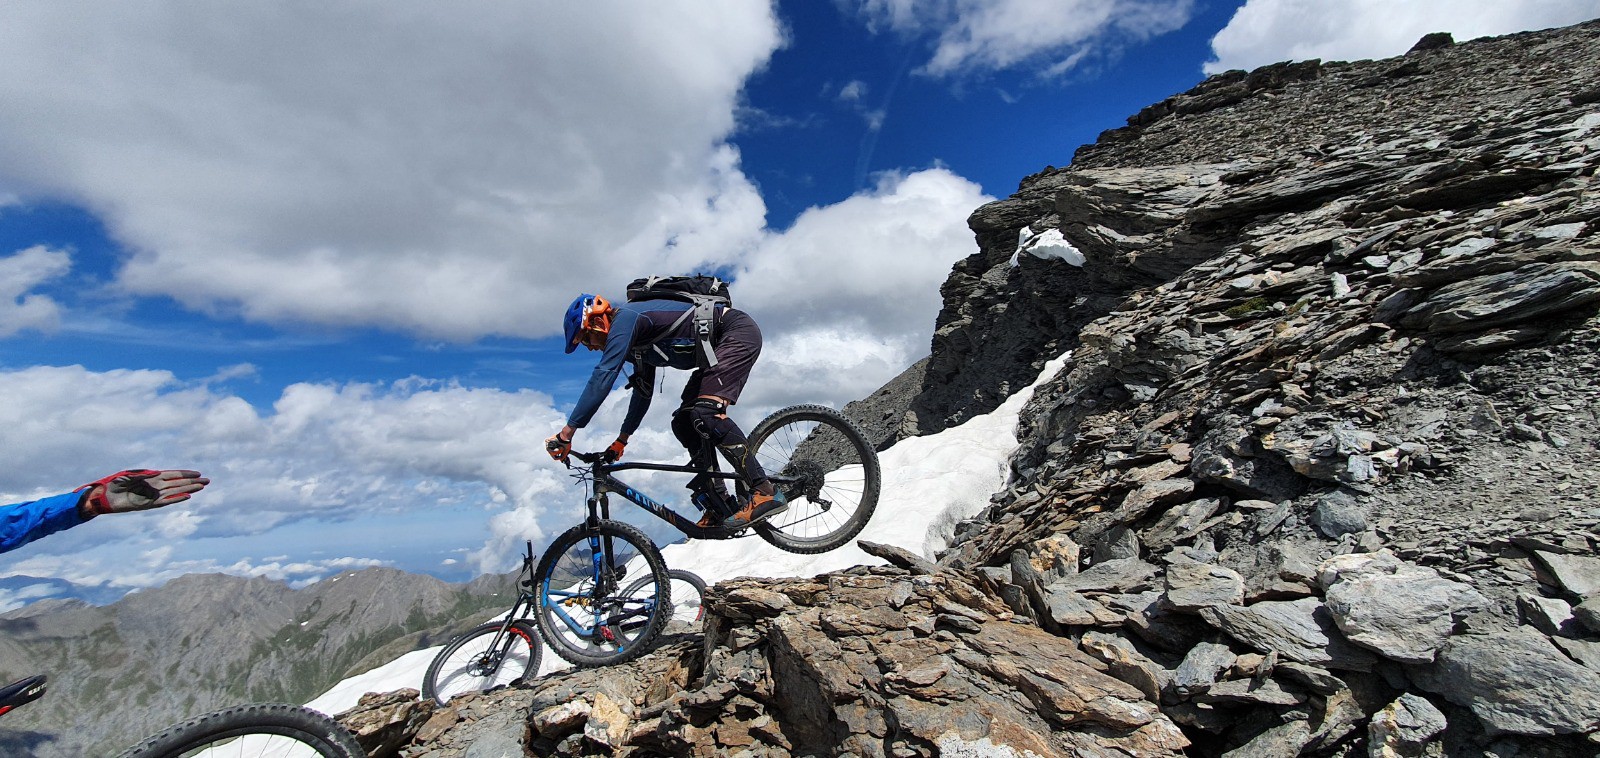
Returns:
(826, 470)
(269, 729)
(489, 656)
(583, 611)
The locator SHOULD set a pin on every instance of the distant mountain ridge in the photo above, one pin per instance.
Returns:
(121, 671)
(23, 589)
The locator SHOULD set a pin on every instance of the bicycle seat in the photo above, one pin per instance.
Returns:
(22, 691)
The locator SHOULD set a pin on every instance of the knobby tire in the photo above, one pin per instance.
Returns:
(450, 673)
(299, 725)
(688, 597)
(838, 477)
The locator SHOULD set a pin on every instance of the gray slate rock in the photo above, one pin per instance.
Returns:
(1279, 741)
(1400, 610)
(898, 556)
(1509, 680)
(1251, 692)
(1530, 292)
(1547, 614)
(1125, 662)
(1299, 630)
(1338, 514)
(1200, 668)
(1256, 477)
(1180, 522)
(1068, 608)
(1123, 575)
(1192, 586)
(1578, 574)
(1318, 680)
(1588, 614)
(1406, 728)
(1120, 542)
(1585, 652)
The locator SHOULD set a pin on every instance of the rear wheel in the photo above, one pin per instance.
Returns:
(688, 596)
(826, 470)
(269, 729)
(482, 659)
(582, 610)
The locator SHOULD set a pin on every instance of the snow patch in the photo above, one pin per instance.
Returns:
(1047, 244)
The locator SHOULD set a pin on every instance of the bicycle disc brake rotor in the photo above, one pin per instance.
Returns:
(484, 665)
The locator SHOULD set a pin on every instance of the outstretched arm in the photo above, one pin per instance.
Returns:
(21, 523)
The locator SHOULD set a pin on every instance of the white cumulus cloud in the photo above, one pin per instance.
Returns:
(1268, 31)
(1051, 36)
(21, 309)
(451, 169)
(847, 296)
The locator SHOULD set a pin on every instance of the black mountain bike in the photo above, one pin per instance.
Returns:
(260, 730)
(819, 461)
(490, 655)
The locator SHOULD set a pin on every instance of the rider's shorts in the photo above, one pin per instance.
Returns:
(738, 344)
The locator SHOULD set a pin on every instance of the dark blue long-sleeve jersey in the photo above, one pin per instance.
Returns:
(641, 333)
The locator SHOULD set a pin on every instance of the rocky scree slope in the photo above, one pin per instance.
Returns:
(1320, 478)
(206, 641)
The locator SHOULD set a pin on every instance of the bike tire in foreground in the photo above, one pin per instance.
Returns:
(583, 611)
(825, 469)
(250, 731)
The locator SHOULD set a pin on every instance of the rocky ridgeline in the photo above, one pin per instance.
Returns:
(1322, 476)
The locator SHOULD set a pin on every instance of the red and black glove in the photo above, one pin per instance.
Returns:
(557, 447)
(614, 453)
(142, 489)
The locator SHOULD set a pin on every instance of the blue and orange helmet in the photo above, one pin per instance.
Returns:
(588, 317)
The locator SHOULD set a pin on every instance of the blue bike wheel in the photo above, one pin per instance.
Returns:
(586, 609)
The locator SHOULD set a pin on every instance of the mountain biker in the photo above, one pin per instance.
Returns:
(650, 334)
(124, 491)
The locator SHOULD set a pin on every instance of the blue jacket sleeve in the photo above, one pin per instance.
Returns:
(22, 523)
(618, 343)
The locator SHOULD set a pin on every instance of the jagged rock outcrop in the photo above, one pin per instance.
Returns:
(1321, 477)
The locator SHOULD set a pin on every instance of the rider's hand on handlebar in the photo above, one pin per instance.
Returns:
(558, 448)
(614, 453)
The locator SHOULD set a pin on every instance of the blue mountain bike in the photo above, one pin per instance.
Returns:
(587, 609)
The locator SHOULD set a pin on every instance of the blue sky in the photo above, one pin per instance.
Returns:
(320, 251)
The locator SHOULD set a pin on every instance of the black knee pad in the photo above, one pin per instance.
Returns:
(705, 420)
(683, 429)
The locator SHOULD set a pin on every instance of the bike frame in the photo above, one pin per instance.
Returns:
(602, 480)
